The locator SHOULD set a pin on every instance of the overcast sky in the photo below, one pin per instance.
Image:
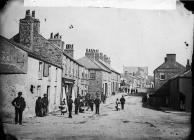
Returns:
(128, 37)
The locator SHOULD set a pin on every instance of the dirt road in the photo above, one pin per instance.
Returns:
(134, 122)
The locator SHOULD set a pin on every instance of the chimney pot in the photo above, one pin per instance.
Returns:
(51, 36)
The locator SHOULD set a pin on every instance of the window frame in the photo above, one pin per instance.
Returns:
(162, 74)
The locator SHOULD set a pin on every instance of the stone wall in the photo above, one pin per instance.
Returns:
(96, 84)
(169, 73)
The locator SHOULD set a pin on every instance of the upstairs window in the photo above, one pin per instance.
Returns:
(92, 75)
(40, 71)
(56, 74)
(162, 76)
(46, 70)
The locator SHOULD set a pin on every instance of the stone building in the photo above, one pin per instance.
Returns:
(167, 70)
(74, 75)
(38, 59)
(102, 78)
(140, 74)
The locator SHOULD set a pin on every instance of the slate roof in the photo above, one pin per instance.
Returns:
(9, 67)
(89, 64)
(75, 61)
(114, 71)
(42, 50)
(170, 65)
(103, 66)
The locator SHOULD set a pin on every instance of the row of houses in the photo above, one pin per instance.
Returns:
(173, 85)
(136, 78)
(35, 65)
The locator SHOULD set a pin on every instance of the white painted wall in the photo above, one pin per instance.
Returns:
(11, 84)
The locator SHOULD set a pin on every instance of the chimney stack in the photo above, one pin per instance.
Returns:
(171, 58)
(69, 50)
(51, 37)
(97, 54)
(33, 14)
(27, 13)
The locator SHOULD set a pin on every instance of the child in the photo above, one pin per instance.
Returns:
(117, 104)
(63, 107)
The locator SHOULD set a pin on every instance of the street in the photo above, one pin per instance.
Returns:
(134, 122)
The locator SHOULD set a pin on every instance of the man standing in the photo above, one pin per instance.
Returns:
(77, 103)
(19, 104)
(38, 107)
(122, 100)
(70, 105)
(97, 103)
(91, 103)
(45, 105)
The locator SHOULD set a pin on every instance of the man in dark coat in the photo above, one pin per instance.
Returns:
(122, 100)
(19, 104)
(70, 106)
(97, 103)
(77, 103)
(38, 107)
(45, 105)
(91, 102)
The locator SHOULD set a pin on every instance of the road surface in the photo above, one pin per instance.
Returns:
(134, 122)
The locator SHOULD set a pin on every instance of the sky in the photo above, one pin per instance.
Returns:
(128, 37)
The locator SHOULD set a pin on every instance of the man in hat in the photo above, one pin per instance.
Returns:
(70, 106)
(38, 107)
(45, 104)
(122, 100)
(77, 103)
(19, 104)
(97, 102)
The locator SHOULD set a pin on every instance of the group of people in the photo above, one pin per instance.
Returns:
(79, 103)
(122, 102)
(41, 107)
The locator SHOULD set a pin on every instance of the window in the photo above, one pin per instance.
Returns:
(82, 75)
(46, 70)
(162, 76)
(38, 90)
(65, 69)
(92, 75)
(56, 74)
(49, 70)
(40, 71)
(55, 98)
(73, 72)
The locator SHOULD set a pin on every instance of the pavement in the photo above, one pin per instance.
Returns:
(134, 122)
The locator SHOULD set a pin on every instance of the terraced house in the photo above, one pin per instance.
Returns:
(167, 70)
(74, 75)
(32, 65)
(101, 76)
